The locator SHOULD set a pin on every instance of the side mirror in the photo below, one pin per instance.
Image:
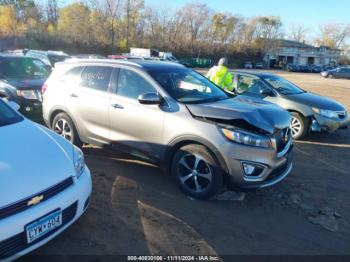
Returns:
(13, 105)
(149, 99)
(266, 92)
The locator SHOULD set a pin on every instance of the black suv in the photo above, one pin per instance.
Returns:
(21, 80)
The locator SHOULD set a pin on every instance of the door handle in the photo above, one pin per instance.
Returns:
(117, 106)
(74, 95)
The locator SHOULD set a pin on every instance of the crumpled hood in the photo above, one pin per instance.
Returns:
(31, 160)
(26, 84)
(261, 114)
(311, 99)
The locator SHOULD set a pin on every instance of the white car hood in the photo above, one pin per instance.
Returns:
(32, 159)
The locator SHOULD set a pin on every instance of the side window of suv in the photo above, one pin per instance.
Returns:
(131, 84)
(96, 77)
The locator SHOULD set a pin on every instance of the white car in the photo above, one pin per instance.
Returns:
(45, 185)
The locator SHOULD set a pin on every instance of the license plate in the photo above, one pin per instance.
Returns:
(43, 226)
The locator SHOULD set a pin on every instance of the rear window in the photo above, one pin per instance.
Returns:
(19, 67)
(96, 77)
(7, 115)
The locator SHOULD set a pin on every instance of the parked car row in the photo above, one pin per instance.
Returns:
(250, 65)
(162, 112)
(304, 68)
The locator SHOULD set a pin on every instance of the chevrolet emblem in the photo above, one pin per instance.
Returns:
(35, 200)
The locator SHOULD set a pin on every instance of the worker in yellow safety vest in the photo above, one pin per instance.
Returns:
(221, 76)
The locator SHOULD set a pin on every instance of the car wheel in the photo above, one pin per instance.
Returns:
(197, 172)
(330, 76)
(63, 125)
(299, 126)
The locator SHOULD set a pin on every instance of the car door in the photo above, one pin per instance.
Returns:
(135, 127)
(89, 103)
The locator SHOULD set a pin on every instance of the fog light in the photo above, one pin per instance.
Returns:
(252, 170)
(248, 169)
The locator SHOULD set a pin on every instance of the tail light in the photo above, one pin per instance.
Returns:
(44, 88)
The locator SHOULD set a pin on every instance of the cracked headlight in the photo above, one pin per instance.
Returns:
(78, 161)
(325, 113)
(245, 138)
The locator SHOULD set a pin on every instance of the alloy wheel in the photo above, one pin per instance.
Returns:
(195, 173)
(63, 128)
(296, 126)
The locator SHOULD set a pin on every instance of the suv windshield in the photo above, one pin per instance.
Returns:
(7, 115)
(187, 86)
(17, 67)
(282, 85)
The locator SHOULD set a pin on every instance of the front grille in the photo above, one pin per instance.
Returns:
(282, 138)
(17, 243)
(47, 194)
(279, 170)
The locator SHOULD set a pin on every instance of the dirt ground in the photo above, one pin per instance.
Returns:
(137, 209)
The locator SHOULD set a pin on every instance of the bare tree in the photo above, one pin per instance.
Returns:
(333, 35)
(298, 33)
(110, 10)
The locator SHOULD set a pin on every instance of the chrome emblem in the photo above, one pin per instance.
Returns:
(35, 200)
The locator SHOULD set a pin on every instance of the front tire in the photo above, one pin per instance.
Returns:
(197, 172)
(63, 125)
(299, 126)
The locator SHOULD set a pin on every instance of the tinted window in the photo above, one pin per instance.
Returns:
(187, 86)
(131, 84)
(18, 67)
(7, 115)
(250, 85)
(96, 77)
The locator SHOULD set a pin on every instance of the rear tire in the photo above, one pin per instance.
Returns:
(63, 125)
(197, 171)
(299, 125)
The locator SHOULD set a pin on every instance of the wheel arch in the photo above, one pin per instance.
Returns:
(177, 143)
(57, 110)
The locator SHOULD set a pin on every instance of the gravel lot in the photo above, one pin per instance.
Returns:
(136, 209)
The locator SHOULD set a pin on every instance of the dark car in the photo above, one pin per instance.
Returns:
(48, 57)
(340, 72)
(309, 111)
(316, 69)
(292, 68)
(21, 80)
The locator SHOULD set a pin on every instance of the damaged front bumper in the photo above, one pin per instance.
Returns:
(265, 166)
(321, 123)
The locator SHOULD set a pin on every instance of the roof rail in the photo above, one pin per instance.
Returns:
(96, 60)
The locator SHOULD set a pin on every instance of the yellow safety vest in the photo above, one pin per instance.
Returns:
(221, 76)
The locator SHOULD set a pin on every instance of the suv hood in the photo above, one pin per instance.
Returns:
(26, 83)
(31, 160)
(318, 101)
(256, 112)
